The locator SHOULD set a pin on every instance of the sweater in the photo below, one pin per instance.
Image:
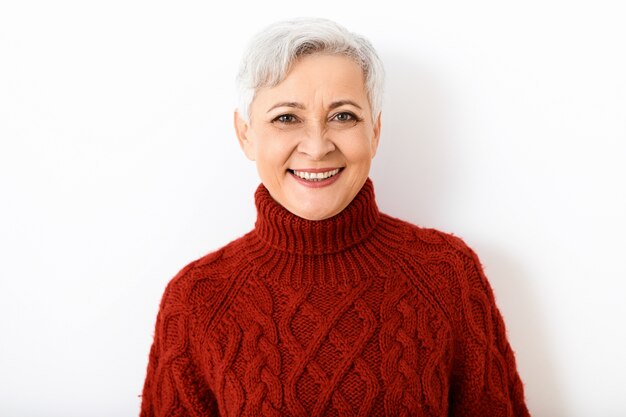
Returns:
(361, 314)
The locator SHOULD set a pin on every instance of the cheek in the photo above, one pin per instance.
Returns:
(358, 148)
(274, 149)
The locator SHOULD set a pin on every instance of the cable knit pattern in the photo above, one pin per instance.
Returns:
(357, 315)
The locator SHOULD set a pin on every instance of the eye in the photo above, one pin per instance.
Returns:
(285, 119)
(345, 117)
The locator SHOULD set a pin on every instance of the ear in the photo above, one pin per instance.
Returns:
(376, 135)
(242, 128)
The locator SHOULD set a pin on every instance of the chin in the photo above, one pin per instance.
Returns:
(316, 213)
(315, 216)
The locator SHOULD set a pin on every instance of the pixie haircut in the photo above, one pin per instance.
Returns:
(273, 51)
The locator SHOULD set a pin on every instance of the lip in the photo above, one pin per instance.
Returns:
(316, 170)
(316, 184)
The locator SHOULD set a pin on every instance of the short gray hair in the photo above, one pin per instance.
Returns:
(272, 52)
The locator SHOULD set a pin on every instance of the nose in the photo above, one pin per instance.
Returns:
(316, 142)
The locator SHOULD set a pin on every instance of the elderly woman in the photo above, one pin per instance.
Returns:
(328, 307)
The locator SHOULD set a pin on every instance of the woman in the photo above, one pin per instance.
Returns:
(327, 307)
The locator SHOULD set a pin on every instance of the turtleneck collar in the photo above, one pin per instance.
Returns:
(285, 231)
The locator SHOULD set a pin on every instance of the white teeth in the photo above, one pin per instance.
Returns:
(315, 176)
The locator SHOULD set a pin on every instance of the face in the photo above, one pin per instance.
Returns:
(312, 136)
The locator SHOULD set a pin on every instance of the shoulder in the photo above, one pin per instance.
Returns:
(418, 240)
(438, 262)
(202, 280)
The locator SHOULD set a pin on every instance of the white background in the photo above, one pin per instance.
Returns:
(504, 123)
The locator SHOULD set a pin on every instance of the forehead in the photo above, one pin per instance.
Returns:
(318, 76)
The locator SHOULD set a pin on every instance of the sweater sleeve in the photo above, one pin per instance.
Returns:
(174, 386)
(485, 381)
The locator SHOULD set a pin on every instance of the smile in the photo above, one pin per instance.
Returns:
(315, 176)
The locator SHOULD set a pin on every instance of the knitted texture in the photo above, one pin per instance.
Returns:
(361, 314)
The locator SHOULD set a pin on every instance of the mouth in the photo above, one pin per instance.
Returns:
(315, 175)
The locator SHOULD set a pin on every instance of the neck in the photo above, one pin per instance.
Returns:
(287, 232)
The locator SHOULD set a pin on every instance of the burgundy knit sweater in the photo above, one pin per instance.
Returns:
(361, 314)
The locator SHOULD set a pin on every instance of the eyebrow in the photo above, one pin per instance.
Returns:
(300, 106)
(287, 104)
